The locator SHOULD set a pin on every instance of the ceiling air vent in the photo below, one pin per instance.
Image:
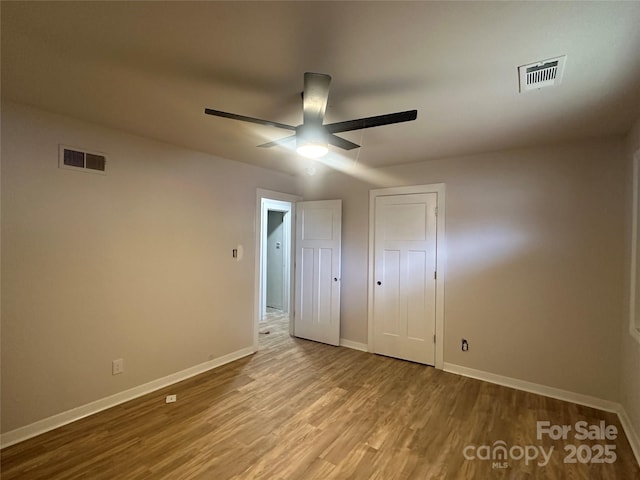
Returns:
(546, 73)
(80, 159)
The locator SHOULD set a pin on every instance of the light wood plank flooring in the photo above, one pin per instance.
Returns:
(303, 410)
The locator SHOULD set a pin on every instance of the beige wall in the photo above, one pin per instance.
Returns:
(630, 377)
(535, 242)
(136, 264)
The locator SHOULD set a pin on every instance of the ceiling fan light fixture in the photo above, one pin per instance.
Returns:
(311, 149)
(311, 142)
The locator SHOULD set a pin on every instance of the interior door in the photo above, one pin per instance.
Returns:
(404, 304)
(317, 291)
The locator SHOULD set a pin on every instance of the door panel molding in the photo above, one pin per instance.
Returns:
(439, 190)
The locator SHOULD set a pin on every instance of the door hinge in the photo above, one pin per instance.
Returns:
(435, 275)
(434, 339)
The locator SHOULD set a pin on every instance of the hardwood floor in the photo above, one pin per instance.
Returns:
(302, 410)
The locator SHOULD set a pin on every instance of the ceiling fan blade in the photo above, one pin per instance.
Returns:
(341, 142)
(244, 118)
(282, 141)
(370, 122)
(314, 98)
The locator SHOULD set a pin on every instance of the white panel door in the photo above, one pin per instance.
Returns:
(404, 304)
(317, 302)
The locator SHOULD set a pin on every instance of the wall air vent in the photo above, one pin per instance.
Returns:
(546, 73)
(80, 159)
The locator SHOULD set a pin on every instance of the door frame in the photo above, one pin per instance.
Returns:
(439, 190)
(262, 196)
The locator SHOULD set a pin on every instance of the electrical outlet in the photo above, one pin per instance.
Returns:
(465, 345)
(171, 398)
(117, 366)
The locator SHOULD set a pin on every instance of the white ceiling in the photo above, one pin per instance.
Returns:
(150, 68)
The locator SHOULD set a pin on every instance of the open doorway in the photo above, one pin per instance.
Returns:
(276, 258)
(274, 265)
(275, 278)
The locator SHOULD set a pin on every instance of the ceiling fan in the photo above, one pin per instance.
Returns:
(312, 136)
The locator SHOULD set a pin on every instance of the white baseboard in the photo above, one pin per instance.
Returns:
(552, 392)
(632, 434)
(363, 347)
(580, 399)
(60, 419)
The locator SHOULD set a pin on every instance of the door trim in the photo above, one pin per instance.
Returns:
(439, 189)
(262, 194)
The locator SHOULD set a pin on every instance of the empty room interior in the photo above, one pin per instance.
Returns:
(320, 240)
